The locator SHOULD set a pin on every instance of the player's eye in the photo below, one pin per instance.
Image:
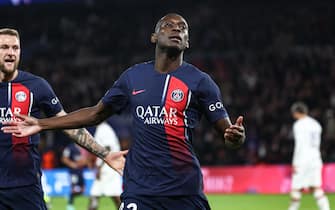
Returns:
(167, 25)
(182, 27)
(4, 47)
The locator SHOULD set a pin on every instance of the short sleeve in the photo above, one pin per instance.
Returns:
(210, 100)
(48, 100)
(117, 96)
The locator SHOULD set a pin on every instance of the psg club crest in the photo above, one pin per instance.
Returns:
(20, 96)
(177, 95)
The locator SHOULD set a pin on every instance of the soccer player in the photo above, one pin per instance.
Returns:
(166, 98)
(75, 161)
(307, 163)
(25, 93)
(107, 182)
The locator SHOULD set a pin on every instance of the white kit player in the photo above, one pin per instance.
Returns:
(307, 162)
(108, 182)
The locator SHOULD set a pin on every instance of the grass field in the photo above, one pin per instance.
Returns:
(217, 202)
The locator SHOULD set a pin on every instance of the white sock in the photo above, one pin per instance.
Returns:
(295, 200)
(294, 205)
(321, 199)
(323, 203)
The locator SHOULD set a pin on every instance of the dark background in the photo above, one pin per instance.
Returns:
(264, 55)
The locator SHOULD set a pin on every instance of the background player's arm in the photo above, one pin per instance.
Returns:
(233, 135)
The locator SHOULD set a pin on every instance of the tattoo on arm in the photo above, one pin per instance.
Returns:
(82, 137)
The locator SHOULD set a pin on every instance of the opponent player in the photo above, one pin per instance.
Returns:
(307, 163)
(107, 181)
(75, 161)
(22, 92)
(166, 98)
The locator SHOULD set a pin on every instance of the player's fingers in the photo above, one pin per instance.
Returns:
(239, 121)
(236, 127)
(21, 116)
(9, 123)
(124, 152)
(9, 129)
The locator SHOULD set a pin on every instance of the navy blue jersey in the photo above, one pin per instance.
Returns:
(72, 151)
(165, 109)
(19, 159)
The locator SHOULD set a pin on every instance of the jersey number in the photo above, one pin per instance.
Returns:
(131, 206)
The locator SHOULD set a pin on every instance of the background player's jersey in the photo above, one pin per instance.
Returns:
(165, 109)
(307, 136)
(19, 158)
(105, 136)
(73, 152)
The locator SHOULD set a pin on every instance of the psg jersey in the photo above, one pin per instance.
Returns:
(165, 110)
(19, 159)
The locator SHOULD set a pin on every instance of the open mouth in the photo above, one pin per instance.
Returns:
(175, 38)
(9, 60)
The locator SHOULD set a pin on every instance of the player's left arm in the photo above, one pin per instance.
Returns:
(233, 134)
(211, 100)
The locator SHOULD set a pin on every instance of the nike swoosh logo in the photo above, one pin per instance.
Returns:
(135, 92)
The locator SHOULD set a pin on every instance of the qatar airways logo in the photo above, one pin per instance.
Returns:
(157, 115)
(7, 114)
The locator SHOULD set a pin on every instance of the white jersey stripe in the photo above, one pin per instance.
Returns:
(185, 116)
(165, 88)
(9, 93)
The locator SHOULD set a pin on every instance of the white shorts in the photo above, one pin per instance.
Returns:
(307, 176)
(110, 185)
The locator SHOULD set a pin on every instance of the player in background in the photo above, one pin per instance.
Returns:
(76, 162)
(307, 163)
(107, 182)
(25, 93)
(166, 98)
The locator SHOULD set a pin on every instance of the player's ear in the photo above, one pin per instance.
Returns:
(153, 38)
(187, 41)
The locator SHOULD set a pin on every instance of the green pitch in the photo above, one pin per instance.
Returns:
(217, 202)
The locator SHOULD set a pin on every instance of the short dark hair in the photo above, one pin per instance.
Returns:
(159, 22)
(9, 31)
(299, 107)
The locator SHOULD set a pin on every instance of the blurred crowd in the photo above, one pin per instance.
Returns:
(263, 56)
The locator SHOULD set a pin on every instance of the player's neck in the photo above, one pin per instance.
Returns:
(8, 77)
(166, 62)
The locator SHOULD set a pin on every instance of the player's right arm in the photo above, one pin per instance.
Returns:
(83, 117)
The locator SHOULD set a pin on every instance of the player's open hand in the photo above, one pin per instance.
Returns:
(116, 160)
(235, 134)
(22, 126)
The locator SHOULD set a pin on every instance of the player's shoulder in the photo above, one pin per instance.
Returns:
(195, 70)
(313, 121)
(307, 122)
(26, 76)
(104, 126)
(140, 66)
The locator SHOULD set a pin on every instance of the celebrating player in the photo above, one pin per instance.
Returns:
(25, 93)
(166, 98)
(307, 163)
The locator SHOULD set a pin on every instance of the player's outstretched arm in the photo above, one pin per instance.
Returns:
(77, 119)
(234, 134)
